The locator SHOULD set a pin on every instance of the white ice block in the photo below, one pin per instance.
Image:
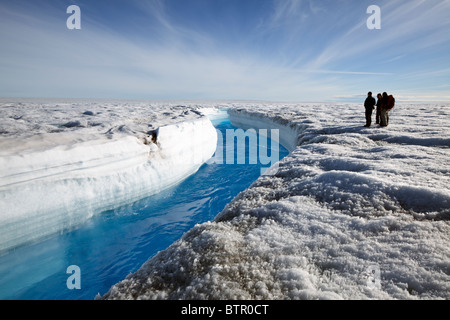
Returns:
(52, 183)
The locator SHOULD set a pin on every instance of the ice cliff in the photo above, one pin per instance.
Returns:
(55, 177)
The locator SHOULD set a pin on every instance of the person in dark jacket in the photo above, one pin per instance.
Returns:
(369, 104)
(378, 115)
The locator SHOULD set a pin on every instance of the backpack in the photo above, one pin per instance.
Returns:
(390, 102)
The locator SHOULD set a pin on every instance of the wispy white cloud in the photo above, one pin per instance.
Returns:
(96, 62)
(423, 98)
(406, 26)
(41, 57)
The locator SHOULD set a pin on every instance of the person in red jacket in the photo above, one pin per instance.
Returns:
(387, 103)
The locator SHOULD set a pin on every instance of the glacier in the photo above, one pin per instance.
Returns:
(54, 178)
(351, 213)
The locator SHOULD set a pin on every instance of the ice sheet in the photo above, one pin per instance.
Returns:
(352, 213)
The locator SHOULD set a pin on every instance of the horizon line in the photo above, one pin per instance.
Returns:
(217, 100)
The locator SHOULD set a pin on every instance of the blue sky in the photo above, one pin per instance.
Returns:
(279, 50)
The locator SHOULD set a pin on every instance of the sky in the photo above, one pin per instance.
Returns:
(276, 50)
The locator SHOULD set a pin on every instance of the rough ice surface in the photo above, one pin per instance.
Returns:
(351, 213)
(61, 163)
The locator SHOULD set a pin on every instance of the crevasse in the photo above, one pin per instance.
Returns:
(347, 200)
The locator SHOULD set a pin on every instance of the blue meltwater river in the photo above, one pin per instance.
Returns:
(116, 243)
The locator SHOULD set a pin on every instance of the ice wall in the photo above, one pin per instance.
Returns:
(253, 120)
(50, 183)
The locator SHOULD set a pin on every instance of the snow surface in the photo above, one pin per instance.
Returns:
(351, 213)
(61, 163)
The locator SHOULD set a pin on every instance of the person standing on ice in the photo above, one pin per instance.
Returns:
(378, 115)
(387, 103)
(369, 104)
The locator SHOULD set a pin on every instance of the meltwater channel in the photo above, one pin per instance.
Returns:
(116, 243)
